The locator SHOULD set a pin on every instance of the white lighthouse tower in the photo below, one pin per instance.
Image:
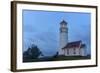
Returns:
(63, 36)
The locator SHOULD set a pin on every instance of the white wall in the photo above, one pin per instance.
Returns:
(5, 37)
(82, 50)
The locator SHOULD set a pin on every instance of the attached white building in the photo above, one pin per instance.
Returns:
(76, 48)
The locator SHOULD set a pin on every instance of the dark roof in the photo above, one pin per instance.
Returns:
(74, 44)
(63, 22)
(83, 45)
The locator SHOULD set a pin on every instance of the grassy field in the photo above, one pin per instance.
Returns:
(58, 58)
(71, 58)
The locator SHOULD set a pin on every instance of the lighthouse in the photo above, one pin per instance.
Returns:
(63, 36)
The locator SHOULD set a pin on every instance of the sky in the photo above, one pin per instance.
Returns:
(42, 29)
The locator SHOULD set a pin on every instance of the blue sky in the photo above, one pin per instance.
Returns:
(42, 28)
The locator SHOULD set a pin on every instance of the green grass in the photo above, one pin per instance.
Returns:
(58, 58)
(71, 58)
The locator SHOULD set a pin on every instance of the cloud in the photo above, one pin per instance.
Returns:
(45, 41)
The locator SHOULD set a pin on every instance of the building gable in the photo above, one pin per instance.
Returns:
(75, 44)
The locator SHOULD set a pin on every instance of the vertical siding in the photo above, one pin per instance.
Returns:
(66, 54)
(82, 51)
(73, 52)
(78, 52)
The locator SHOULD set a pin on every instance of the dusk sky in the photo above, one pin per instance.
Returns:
(42, 29)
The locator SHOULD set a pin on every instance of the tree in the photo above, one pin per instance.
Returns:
(56, 55)
(32, 52)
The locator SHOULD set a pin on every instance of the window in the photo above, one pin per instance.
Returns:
(68, 51)
(74, 52)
